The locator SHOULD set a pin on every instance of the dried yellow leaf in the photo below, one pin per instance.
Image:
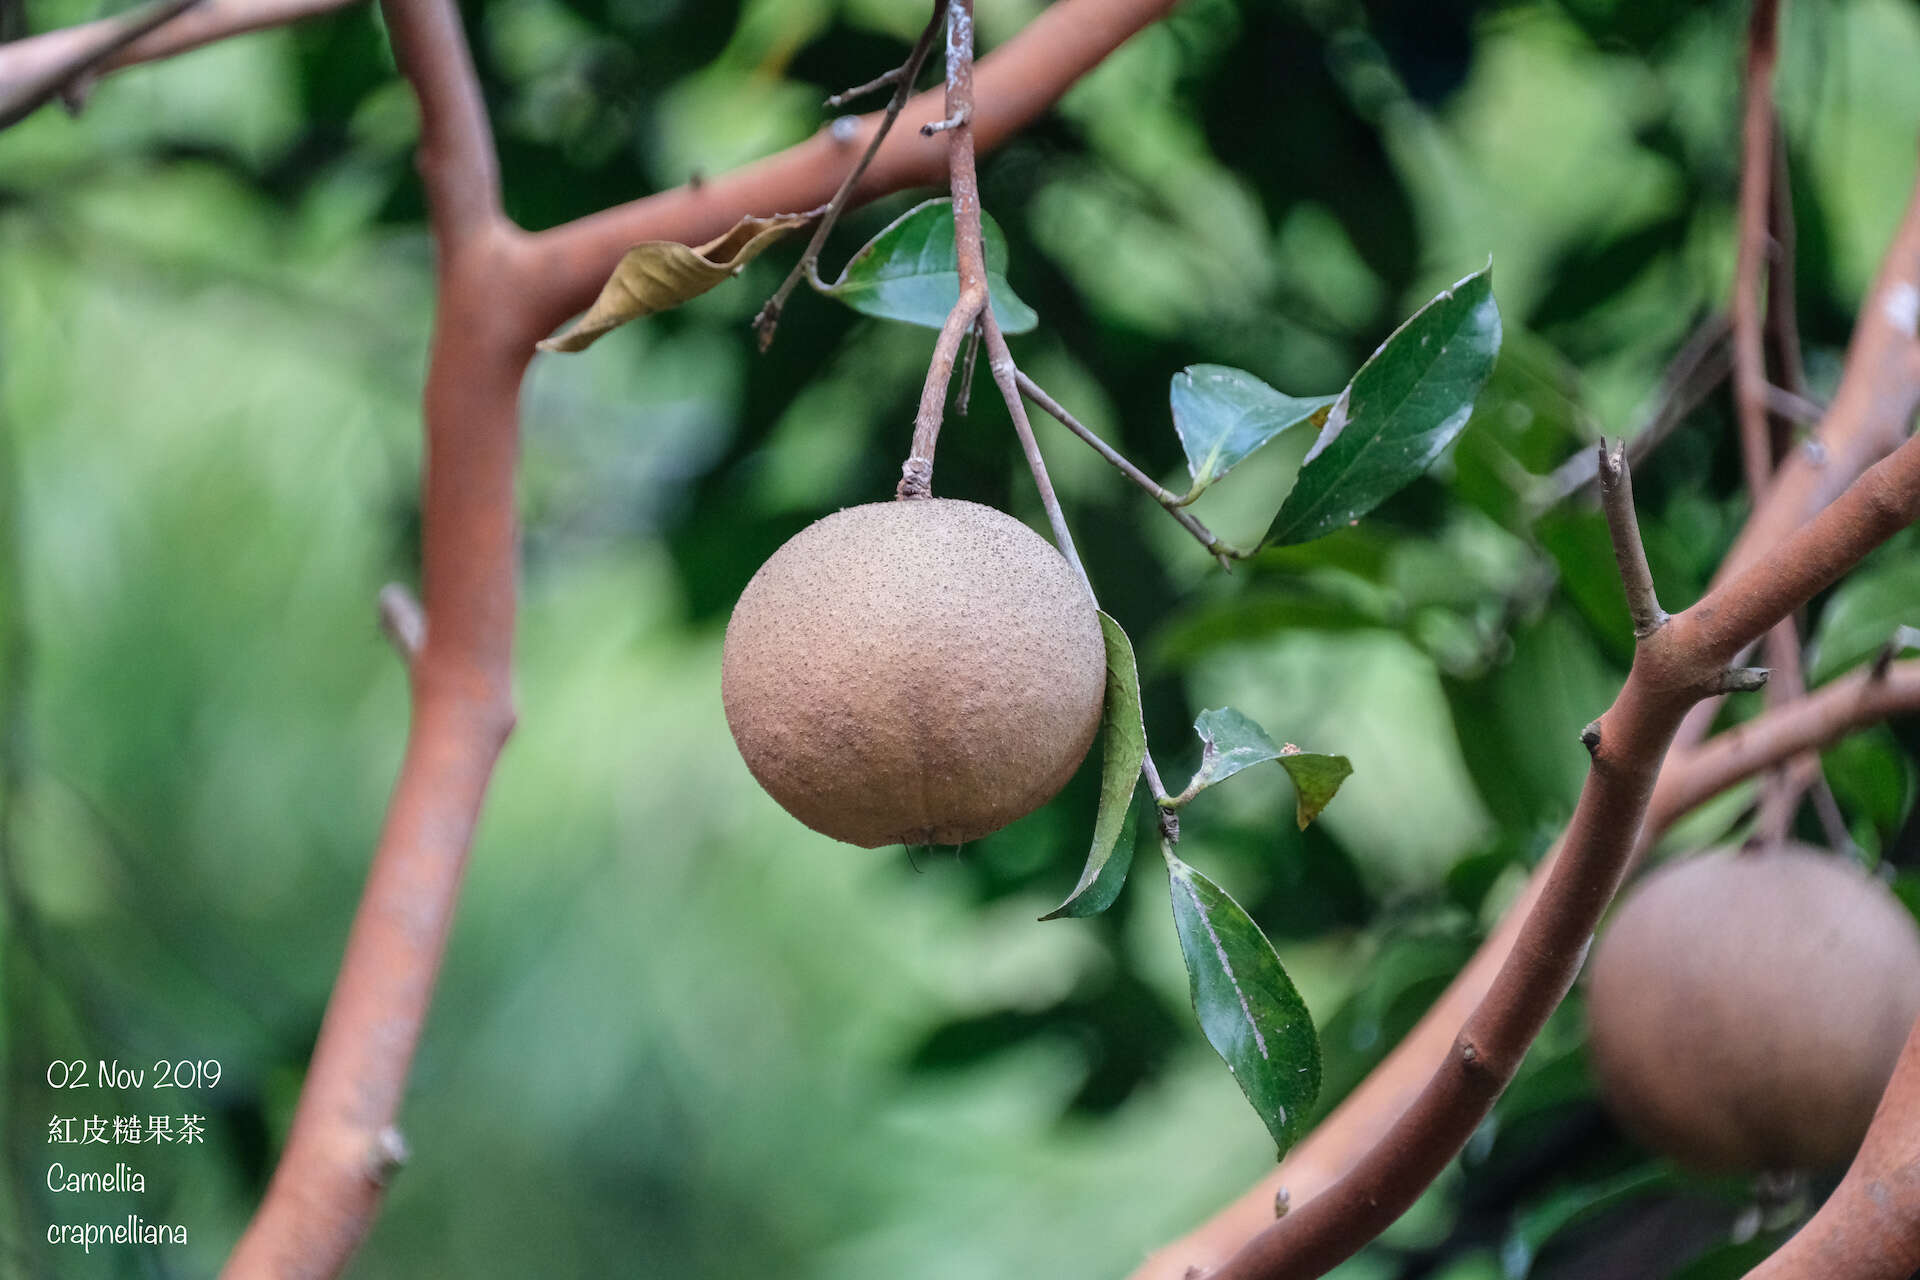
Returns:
(659, 275)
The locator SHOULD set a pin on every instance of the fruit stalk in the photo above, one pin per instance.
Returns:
(916, 474)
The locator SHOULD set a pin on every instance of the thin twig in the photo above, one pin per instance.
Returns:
(1827, 808)
(1778, 735)
(1783, 324)
(1616, 497)
(1756, 173)
(1000, 363)
(902, 78)
(1699, 367)
(1758, 304)
(1175, 507)
(1021, 79)
(874, 85)
(964, 397)
(1792, 406)
(35, 71)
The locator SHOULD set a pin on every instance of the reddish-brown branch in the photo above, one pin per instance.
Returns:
(1756, 310)
(1829, 713)
(1868, 418)
(40, 67)
(1748, 310)
(344, 1140)
(1869, 1228)
(1783, 324)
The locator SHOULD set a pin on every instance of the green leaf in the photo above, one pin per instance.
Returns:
(1125, 736)
(1247, 1005)
(1230, 742)
(1864, 614)
(1406, 404)
(911, 272)
(1222, 415)
(661, 274)
(1316, 780)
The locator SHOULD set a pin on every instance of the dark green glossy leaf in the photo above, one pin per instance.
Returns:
(1222, 415)
(1125, 749)
(1407, 402)
(1247, 1005)
(910, 272)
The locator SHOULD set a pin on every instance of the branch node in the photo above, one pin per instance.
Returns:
(1472, 1061)
(954, 121)
(880, 81)
(916, 478)
(390, 1154)
(1741, 680)
(403, 621)
(1902, 639)
(1590, 737)
(74, 95)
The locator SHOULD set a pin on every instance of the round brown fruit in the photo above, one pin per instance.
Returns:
(913, 672)
(1745, 1008)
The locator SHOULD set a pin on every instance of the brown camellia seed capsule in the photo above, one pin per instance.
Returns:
(913, 672)
(1745, 1008)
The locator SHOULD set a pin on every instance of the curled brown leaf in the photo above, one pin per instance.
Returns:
(660, 275)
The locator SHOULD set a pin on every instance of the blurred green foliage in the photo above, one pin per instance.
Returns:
(678, 1035)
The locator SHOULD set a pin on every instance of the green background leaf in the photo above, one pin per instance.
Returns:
(1125, 749)
(1223, 414)
(1407, 402)
(1864, 613)
(910, 272)
(1247, 1005)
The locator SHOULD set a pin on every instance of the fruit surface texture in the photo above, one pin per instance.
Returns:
(1746, 1008)
(913, 672)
